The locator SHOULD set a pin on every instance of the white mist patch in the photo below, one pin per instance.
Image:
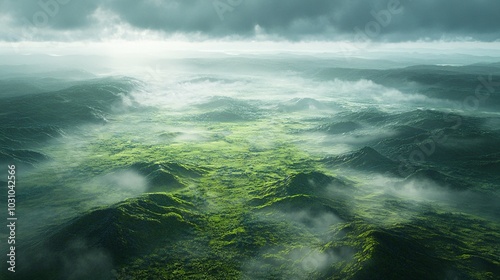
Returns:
(145, 128)
(73, 144)
(317, 223)
(178, 91)
(366, 91)
(313, 260)
(305, 259)
(303, 262)
(126, 180)
(417, 190)
(127, 102)
(193, 135)
(422, 190)
(314, 222)
(116, 186)
(388, 200)
(322, 143)
(81, 261)
(266, 138)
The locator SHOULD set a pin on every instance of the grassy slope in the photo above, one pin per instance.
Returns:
(252, 214)
(241, 227)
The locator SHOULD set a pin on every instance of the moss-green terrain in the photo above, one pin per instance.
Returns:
(226, 190)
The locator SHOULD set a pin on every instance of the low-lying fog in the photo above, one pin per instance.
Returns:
(209, 99)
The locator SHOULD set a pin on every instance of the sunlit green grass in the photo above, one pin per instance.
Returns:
(238, 210)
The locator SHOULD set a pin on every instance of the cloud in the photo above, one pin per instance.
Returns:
(418, 195)
(81, 261)
(302, 262)
(379, 20)
(125, 180)
(115, 186)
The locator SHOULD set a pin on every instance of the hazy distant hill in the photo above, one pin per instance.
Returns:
(254, 168)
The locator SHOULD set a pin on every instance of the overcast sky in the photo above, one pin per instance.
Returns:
(331, 20)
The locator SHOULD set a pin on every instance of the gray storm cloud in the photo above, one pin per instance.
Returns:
(381, 20)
